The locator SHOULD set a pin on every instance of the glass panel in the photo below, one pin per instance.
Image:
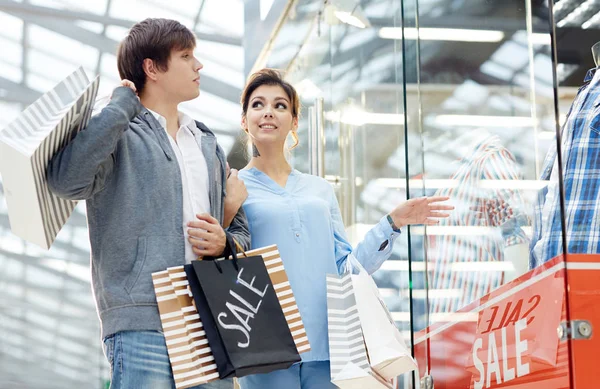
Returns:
(414, 154)
(341, 58)
(361, 77)
(460, 99)
(369, 73)
(310, 73)
(488, 115)
(578, 159)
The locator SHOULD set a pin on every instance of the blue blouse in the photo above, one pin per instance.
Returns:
(304, 221)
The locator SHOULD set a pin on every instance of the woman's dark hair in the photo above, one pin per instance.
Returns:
(154, 39)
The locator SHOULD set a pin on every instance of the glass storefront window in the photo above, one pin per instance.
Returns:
(465, 99)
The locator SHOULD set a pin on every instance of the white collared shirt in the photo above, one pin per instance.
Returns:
(194, 173)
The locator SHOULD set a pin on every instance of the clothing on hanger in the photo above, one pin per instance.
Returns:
(499, 213)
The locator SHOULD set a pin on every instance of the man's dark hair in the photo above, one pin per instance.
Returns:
(154, 39)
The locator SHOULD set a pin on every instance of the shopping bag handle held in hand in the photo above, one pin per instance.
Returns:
(239, 247)
(229, 251)
(353, 264)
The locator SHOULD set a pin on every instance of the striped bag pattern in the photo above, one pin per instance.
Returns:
(26, 146)
(350, 366)
(274, 265)
(191, 359)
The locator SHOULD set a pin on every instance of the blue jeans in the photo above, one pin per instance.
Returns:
(304, 375)
(139, 360)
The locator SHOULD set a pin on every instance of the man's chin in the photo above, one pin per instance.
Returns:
(191, 96)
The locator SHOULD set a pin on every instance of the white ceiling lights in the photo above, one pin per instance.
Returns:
(442, 34)
(346, 11)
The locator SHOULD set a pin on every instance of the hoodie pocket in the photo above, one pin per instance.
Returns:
(154, 253)
(138, 265)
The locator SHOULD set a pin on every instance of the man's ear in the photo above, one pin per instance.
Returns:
(150, 69)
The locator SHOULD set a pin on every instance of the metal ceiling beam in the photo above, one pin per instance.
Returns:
(18, 305)
(465, 22)
(38, 356)
(86, 349)
(61, 294)
(78, 255)
(199, 13)
(45, 360)
(107, 45)
(19, 9)
(226, 40)
(25, 9)
(21, 373)
(53, 336)
(260, 34)
(72, 31)
(37, 262)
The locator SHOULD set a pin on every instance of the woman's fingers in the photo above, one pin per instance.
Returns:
(438, 214)
(441, 207)
(437, 199)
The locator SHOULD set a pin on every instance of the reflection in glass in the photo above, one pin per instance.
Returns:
(467, 259)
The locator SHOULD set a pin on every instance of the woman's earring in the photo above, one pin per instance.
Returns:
(296, 140)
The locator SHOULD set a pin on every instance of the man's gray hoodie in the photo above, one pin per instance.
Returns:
(123, 165)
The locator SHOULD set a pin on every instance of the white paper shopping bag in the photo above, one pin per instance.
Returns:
(27, 145)
(349, 362)
(388, 354)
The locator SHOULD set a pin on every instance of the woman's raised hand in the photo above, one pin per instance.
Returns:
(422, 210)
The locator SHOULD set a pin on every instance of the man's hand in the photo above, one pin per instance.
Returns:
(236, 195)
(206, 236)
(424, 210)
(130, 85)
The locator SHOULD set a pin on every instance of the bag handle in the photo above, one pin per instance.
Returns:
(353, 264)
(239, 247)
(229, 251)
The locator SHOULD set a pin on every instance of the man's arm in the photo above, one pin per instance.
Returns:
(80, 169)
(236, 195)
(240, 230)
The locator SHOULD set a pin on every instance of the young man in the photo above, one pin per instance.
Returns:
(151, 177)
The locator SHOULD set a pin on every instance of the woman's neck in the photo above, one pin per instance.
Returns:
(271, 162)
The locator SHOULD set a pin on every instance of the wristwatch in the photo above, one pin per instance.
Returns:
(391, 221)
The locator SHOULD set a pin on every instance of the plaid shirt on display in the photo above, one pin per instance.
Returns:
(581, 161)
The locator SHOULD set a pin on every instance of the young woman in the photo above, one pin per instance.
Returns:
(300, 213)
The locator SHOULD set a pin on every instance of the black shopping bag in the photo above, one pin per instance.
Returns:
(242, 317)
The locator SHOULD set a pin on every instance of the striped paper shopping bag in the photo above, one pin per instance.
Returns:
(191, 359)
(350, 366)
(190, 355)
(280, 281)
(27, 145)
